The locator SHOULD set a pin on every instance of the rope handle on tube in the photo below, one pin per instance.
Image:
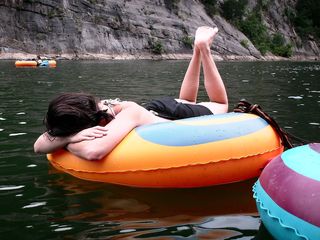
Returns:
(286, 138)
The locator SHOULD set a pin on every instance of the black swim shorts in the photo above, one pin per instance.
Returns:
(169, 108)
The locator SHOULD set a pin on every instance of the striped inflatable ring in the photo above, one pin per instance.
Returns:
(288, 194)
(194, 152)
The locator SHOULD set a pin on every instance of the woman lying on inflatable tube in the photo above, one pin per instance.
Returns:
(90, 128)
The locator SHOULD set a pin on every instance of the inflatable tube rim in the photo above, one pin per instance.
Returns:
(261, 205)
(162, 168)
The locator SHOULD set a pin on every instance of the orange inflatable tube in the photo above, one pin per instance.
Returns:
(194, 152)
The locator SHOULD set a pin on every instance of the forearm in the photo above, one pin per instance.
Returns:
(129, 118)
(96, 149)
(47, 144)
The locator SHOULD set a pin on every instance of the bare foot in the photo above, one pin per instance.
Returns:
(204, 37)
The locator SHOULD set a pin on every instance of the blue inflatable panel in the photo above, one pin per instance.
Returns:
(304, 161)
(189, 135)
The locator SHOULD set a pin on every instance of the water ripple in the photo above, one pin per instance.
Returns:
(16, 134)
(34, 204)
(10, 187)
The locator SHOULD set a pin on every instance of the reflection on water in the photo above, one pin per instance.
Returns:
(154, 211)
(37, 202)
(136, 203)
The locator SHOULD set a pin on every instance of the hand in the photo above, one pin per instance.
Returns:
(89, 134)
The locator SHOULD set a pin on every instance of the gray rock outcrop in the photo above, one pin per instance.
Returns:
(91, 29)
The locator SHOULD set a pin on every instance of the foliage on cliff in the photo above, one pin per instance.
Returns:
(307, 18)
(304, 17)
(134, 28)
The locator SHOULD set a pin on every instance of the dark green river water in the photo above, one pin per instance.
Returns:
(37, 202)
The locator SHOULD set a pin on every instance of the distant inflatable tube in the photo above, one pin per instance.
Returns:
(26, 63)
(194, 152)
(288, 194)
(33, 63)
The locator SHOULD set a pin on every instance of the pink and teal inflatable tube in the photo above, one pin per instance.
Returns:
(287, 194)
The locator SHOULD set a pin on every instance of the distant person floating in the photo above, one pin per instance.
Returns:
(36, 62)
(42, 61)
(91, 128)
(39, 60)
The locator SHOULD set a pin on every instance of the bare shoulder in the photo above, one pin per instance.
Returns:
(127, 104)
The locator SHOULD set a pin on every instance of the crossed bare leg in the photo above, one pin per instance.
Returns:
(212, 80)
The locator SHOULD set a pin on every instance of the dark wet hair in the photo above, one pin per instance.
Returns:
(70, 113)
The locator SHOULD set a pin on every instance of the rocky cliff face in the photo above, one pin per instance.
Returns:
(127, 29)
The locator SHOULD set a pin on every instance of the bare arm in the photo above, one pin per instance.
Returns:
(130, 117)
(47, 144)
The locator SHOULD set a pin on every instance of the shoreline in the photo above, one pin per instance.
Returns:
(148, 56)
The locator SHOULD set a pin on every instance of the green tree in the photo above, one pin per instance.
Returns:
(234, 10)
(307, 20)
(256, 31)
(279, 47)
(157, 47)
(210, 6)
